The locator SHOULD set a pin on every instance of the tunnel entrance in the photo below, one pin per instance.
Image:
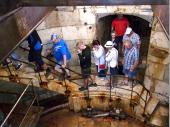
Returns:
(139, 26)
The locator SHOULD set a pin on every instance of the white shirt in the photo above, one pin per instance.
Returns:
(99, 55)
(112, 57)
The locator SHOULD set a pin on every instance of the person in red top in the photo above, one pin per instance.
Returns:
(119, 25)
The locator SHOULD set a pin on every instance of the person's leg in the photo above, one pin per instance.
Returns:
(67, 71)
(120, 43)
(38, 60)
(88, 72)
(85, 79)
(31, 55)
(126, 71)
(15, 57)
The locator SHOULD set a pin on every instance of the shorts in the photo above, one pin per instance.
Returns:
(130, 74)
(86, 72)
(58, 66)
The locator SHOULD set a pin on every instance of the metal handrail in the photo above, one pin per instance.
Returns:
(18, 100)
(148, 92)
(15, 105)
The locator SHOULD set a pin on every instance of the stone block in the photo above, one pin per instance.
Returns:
(166, 74)
(159, 39)
(87, 17)
(45, 34)
(159, 60)
(63, 18)
(162, 88)
(101, 9)
(155, 70)
(78, 32)
(148, 82)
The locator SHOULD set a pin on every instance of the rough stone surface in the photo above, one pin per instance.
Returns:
(155, 70)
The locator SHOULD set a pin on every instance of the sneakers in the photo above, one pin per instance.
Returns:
(93, 85)
(82, 88)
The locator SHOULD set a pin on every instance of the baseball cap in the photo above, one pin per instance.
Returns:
(54, 36)
(128, 30)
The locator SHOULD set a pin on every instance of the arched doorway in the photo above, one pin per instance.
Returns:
(138, 24)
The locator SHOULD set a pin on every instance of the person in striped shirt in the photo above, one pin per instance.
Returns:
(131, 60)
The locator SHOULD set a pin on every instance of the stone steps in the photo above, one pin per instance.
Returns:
(151, 105)
(160, 117)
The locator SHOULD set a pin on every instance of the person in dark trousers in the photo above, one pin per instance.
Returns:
(34, 55)
(84, 53)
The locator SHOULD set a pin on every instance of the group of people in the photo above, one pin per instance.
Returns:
(124, 42)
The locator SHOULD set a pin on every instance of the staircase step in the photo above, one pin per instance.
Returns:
(160, 117)
(151, 105)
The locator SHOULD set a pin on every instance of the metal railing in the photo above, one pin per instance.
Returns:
(145, 100)
(21, 106)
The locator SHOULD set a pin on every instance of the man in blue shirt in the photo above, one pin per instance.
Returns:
(61, 53)
(131, 60)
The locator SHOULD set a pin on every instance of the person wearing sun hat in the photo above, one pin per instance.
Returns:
(112, 57)
(133, 37)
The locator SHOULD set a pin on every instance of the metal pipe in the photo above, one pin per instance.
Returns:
(15, 105)
(55, 108)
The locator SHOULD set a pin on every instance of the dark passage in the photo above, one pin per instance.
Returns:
(139, 26)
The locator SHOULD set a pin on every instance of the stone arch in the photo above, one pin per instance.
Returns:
(138, 24)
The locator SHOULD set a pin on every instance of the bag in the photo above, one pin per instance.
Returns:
(102, 66)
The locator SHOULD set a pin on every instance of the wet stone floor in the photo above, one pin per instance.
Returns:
(66, 118)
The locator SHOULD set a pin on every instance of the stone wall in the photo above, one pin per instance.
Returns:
(157, 72)
(79, 23)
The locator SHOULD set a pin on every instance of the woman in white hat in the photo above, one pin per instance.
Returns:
(112, 57)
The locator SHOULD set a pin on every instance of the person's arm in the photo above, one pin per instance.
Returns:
(136, 57)
(64, 61)
(112, 27)
(109, 56)
(63, 52)
(134, 66)
(98, 53)
(84, 58)
(138, 42)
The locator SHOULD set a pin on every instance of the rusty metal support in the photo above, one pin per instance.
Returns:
(16, 27)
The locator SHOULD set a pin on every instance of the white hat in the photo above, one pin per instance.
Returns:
(128, 30)
(109, 44)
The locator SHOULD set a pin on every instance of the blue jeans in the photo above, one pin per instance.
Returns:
(130, 74)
